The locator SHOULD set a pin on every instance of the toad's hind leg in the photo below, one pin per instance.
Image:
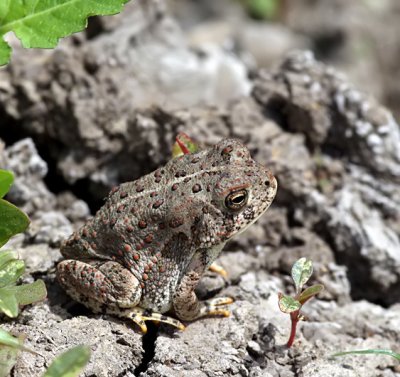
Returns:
(108, 287)
(100, 286)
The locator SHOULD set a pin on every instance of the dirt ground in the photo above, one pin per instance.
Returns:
(307, 92)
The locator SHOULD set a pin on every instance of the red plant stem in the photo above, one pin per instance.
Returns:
(294, 318)
(183, 147)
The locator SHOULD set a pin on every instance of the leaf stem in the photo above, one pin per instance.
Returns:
(294, 318)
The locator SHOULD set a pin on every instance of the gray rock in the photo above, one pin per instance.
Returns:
(96, 93)
(366, 243)
(115, 348)
(38, 258)
(28, 191)
(222, 356)
(50, 227)
(322, 105)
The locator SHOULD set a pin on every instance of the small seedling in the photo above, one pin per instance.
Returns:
(301, 273)
(184, 144)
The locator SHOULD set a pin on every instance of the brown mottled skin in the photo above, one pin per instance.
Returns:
(145, 250)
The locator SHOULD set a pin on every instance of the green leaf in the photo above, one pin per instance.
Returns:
(8, 358)
(12, 221)
(69, 363)
(7, 256)
(8, 303)
(6, 339)
(9, 355)
(11, 272)
(42, 23)
(28, 293)
(183, 145)
(288, 304)
(6, 180)
(371, 351)
(5, 52)
(310, 292)
(301, 272)
(263, 9)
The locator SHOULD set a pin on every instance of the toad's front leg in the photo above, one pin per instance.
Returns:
(187, 306)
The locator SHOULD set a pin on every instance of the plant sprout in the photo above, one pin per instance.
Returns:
(301, 273)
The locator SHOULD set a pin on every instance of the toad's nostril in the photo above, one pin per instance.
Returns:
(267, 183)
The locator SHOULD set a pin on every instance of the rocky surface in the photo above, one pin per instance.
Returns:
(105, 108)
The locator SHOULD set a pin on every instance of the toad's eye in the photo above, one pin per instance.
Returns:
(236, 200)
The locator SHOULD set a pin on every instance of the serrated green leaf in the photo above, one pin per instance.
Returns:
(42, 23)
(69, 363)
(6, 180)
(8, 303)
(184, 144)
(288, 304)
(12, 221)
(5, 52)
(310, 292)
(28, 293)
(11, 272)
(370, 351)
(301, 272)
(7, 256)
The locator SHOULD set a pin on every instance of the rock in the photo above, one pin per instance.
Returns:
(50, 227)
(38, 258)
(268, 42)
(97, 91)
(356, 214)
(28, 192)
(321, 104)
(365, 243)
(75, 210)
(223, 355)
(115, 347)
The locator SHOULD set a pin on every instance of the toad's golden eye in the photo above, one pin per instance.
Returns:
(236, 200)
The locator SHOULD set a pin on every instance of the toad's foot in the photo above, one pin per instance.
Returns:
(215, 307)
(215, 267)
(139, 316)
(188, 308)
